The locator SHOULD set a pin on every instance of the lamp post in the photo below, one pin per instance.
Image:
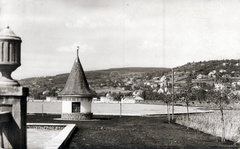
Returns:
(121, 108)
(172, 94)
(120, 102)
(168, 110)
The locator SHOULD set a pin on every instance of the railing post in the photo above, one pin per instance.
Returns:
(1, 137)
(13, 101)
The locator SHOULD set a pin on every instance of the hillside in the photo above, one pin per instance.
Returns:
(207, 73)
(206, 67)
(99, 80)
(204, 74)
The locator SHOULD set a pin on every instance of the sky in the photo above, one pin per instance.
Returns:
(120, 33)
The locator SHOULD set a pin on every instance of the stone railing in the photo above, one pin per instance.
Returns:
(13, 117)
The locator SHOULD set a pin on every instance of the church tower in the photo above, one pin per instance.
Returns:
(76, 95)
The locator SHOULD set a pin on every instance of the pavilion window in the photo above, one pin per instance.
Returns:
(76, 107)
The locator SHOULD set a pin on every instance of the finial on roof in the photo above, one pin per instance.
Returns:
(7, 27)
(77, 50)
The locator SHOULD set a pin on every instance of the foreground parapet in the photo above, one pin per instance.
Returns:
(13, 106)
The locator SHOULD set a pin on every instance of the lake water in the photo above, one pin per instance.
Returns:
(139, 109)
(111, 108)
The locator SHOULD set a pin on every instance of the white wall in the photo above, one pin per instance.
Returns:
(86, 106)
(106, 99)
(66, 106)
(128, 101)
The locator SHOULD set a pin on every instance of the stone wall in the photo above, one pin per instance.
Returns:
(76, 116)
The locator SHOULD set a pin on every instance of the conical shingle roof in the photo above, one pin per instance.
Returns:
(77, 84)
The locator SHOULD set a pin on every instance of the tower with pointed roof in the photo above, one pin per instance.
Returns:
(76, 95)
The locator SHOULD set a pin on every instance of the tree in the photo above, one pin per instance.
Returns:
(119, 98)
(189, 80)
(188, 95)
(144, 95)
(221, 98)
(200, 94)
(167, 100)
(233, 97)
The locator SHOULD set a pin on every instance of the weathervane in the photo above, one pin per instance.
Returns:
(77, 50)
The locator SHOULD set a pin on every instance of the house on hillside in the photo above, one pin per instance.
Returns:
(236, 84)
(138, 99)
(154, 86)
(225, 64)
(212, 74)
(163, 82)
(45, 92)
(226, 76)
(138, 80)
(155, 78)
(147, 83)
(129, 83)
(222, 71)
(235, 74)
(163, 90)
(137, 93)
(201, 76)
(128, 99)
(196, 87)
(218, 86)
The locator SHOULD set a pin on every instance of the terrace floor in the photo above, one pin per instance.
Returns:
(134, 132)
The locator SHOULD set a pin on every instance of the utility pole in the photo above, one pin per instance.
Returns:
(172, 94)
(121, 99)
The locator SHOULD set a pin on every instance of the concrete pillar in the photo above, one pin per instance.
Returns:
(10, 56)
(13, 105)
(13, 133)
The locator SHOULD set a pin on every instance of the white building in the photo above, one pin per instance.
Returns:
(76, 95)
(218, 86)
(222, 71)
